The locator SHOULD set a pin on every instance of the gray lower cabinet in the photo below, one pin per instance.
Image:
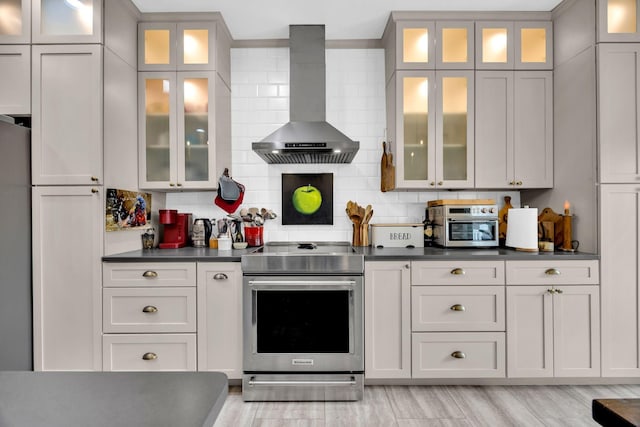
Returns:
(149, 316)
(220, 318)
(553, 319)
(387, 322)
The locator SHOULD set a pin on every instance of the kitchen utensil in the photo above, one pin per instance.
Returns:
(502, 219)
(387, 169)
(548, 214)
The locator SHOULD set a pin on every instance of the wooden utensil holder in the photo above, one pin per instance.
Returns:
(360, 235)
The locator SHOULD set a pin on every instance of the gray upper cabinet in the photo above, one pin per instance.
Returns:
(184, 46)
(514, 45)
(514, 129)
(15, 79)
(15, 27)
(415, 45)
(618, 94)
(618, 21)
(67, 21)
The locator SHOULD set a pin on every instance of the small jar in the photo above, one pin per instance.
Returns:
(213, 242)
(224, 243)
(148, 238)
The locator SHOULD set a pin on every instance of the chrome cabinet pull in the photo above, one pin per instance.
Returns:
(407, 266)
(440, 183)
(94, 190)
(220, 276)
(171, 184)
(552, 272)
(149, 274)
(554, 291)
(551, 291)
(432, 184)
(150, 309)
(512, 183)
(94, 178)
(457, 272)
(518, 182)
(149, 356)
(457, 307)
(559, 291)
(458, 355)
(179, 184)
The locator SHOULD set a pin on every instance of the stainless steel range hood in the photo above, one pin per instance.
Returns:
(307, 138)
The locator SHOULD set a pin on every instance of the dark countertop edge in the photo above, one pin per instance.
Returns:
(190, 254)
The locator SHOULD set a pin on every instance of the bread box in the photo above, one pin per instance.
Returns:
(397, 235)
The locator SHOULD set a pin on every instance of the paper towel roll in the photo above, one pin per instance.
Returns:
(522, 229)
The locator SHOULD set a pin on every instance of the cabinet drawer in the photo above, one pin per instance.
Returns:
(459, 308)
(149, 352)
(458, 355)
(580, 272)
(457, 273)
(149, 274)
(149, 309)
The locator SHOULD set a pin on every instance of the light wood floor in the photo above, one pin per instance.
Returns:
(431, 406)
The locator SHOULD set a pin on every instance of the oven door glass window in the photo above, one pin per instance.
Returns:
(303, 321)
(472, 231)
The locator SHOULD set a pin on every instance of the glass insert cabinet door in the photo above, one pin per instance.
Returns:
(533, 44)
(455, 129)
(454, 46)
(67, 21)
(196, 140)
(158, 124)
(415, 128)
(618, 20)
(494, 45)
(15, 21)
(415, 45)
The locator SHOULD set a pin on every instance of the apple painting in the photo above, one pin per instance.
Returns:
(306, 199)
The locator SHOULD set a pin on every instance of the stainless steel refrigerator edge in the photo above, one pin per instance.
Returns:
(15, 248)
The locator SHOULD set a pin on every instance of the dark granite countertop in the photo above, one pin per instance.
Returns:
(370, 254)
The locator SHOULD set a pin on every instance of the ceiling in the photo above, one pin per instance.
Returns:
(343, 19)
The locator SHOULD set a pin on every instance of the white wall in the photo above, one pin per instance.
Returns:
(355, 105)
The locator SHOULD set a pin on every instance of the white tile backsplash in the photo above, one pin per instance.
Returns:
(355, 105)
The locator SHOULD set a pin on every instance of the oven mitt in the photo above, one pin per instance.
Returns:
(230, 193)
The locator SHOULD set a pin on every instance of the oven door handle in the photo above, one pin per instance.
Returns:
(254, 382)
(473, 220)
(350, 283)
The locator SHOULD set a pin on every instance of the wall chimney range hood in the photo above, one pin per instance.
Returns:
(307, 138)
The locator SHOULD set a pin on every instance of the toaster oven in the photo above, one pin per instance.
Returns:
(464, 225)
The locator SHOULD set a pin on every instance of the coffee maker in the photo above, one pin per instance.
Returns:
(177, 228)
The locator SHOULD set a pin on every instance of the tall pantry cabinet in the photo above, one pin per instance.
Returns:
(76, 55)
(618, 69)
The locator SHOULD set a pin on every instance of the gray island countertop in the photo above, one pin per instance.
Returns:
(107, 399)
(189, 254)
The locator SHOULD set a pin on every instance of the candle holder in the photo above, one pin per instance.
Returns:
(567, 244)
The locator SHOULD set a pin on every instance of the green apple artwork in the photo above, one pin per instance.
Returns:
(306, 199)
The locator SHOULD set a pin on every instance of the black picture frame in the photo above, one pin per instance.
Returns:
(323, 183)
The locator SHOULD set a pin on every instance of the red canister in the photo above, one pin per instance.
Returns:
(253, 235)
